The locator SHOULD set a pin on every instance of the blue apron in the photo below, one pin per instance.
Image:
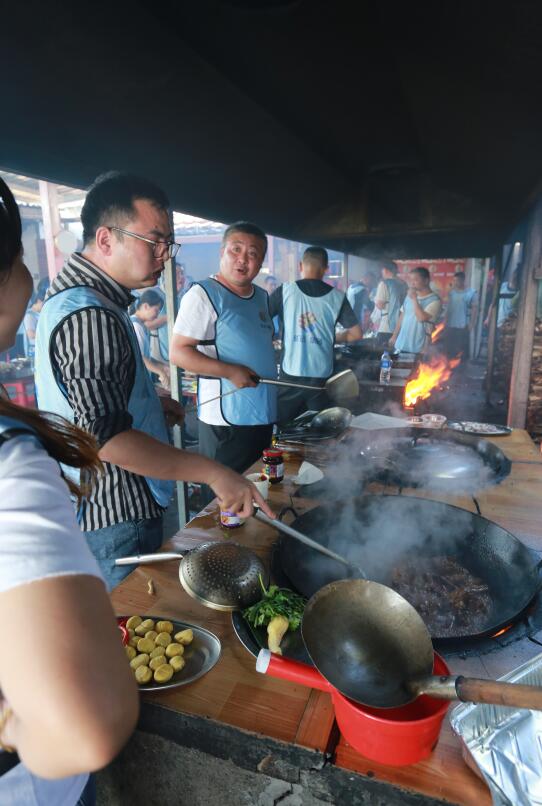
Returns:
(244, 335)
(144, 404)
(397, 292)
(309, 331)
(413, 334)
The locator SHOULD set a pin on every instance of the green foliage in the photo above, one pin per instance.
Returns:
(276, 602)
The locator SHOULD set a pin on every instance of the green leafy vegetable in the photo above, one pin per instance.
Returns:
(276, 602)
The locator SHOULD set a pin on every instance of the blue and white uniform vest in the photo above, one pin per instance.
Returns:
(397, 292)
(459, 307)
(309, 331)
(358, 296)
(244, 335)
(9, 426)
(413, 334)
(143, 404)
(139, 327)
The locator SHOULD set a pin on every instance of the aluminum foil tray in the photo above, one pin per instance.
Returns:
(505, 744)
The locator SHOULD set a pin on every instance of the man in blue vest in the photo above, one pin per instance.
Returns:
(419, 313)
(310, 310)
(224, 334)
(390, 295)
(460, 318)
(89, 368)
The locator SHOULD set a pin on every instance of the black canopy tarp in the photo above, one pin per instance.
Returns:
(389, 128)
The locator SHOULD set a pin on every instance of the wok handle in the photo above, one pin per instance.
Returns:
(292, 670)
(291, 385)
(282, 527)
(148, 558)
(473, 689)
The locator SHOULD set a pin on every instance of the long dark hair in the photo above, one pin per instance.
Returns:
(62, 440)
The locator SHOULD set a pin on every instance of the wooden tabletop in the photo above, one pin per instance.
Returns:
(233, 693)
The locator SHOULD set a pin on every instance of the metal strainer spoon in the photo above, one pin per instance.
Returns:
(222, 576)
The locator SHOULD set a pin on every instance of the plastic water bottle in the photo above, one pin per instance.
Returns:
(385, 367)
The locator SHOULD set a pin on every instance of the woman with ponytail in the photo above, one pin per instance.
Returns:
(68, 701)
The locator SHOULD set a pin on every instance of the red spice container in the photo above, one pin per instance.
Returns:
(273, 465)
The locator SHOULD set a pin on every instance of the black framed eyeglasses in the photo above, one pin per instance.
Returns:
(161, 249)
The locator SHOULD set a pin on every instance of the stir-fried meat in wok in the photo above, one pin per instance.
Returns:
(448, 598)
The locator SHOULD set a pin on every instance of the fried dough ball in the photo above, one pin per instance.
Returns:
(158, 661)
(151, 634)
(145, 645)
(133, 622)
(130, 652)
(177, 662)
(162, 639)
(143, 674)
(163, 673)
(174, 649)
(144, 627)
(184, 637)
(164, 626)
(133, 641)
(157, 652)
(140, 660)
(131, 633)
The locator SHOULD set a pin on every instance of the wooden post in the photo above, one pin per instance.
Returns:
(172, 305)
(51, 224)
(492, 324)
(528, 299)
(481, 308)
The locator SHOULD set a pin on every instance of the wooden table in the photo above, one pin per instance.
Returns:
(233, 694)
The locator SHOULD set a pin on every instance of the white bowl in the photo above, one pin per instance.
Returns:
(434, 420)
(261, 484)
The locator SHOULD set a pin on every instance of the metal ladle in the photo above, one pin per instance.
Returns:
(222, 576)
(373, 646)
(288, 530)
(340, 386)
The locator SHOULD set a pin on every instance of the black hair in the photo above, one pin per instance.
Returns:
(422, 271)
(110, 201)
(316, 254)
(390, 265)
(460, 274)
(248, 228)
(10, 229)
(150, 297)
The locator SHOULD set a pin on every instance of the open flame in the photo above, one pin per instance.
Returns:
(430, 376)
(435, 335)
(504, 629)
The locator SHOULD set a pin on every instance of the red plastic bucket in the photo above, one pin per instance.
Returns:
(394, 736)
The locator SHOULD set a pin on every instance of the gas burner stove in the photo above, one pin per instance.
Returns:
(526, 626)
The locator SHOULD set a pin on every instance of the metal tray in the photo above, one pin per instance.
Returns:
(471, 427)
(504, 745)
(200, 656)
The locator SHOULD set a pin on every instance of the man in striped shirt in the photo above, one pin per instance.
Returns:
(89, 369)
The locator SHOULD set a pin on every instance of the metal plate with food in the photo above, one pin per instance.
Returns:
(479, 429)
(273, 623)
(180, 652)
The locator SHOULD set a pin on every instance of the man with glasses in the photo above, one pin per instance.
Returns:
(89, 369)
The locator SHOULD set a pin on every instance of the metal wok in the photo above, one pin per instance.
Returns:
(371, 645)
(318, 425)
(430, 458)
(381, 531)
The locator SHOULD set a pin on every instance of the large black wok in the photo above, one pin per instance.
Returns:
(381, 531)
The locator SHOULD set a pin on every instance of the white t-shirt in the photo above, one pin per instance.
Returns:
(39, 538)
(39, 534)
(196, 319)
